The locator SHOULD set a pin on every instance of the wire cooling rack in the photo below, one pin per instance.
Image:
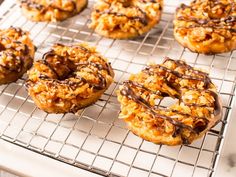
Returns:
(95, 139)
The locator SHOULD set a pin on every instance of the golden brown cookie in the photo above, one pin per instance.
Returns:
(51, 10)
(207, 26)
(16, 54)
(69, 78)
(196, 109)
(121, 19)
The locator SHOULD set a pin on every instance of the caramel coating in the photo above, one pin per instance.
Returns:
(16, 54)
(121, 19)
(51, 10)
(69, 78)
(207, 26)
(197, 109)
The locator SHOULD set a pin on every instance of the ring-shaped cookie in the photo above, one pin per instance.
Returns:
(197, 109)
(69, 78)
(51, 10)
(16, 54)
(121, 19)
(207, 26)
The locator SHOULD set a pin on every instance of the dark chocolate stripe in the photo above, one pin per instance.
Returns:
(148, 1)
(187, 115)
(102, 81)
(2, 47)
(143, 20)
(140, 19)
(14, 57)
(180, 62)
(14, 45)
(229, 19)
(205, 76)
(100, 86)
(108, 67)
(206, 80)
(129, 93)
(210, 3)
(34, 5)
(159, 93)
(210, 22)
(71, 84)
(45, 62)
(177, 74)
(163, 94)
(136, 84)
(207, 23)
(96, 65)
(18, 30)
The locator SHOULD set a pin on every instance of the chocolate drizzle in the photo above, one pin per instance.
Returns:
(213, 23)
(32, 4)
(17, 59)
(200, 123)
(129, 93)
(73, 67)
(229, 19)
(107, 66)
(45, 62)
(148, 1)
(227, 22)
(203, 76)
(2, 47)
(136, 84)
(10, 51)
(143, 19)
(40, 7)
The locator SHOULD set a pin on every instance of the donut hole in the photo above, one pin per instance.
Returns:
(168, 102)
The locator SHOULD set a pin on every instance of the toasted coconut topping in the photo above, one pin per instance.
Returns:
(69, 74)
(125, 16)
(16, 54)
(197, 104)
(208, 22)
(51, 10)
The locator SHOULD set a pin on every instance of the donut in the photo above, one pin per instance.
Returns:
(196, 108)
(207, 26)
(16, 54)
(68, 78)
(122, 19)
(51, 10)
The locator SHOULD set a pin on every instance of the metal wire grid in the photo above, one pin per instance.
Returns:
(95, 139)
